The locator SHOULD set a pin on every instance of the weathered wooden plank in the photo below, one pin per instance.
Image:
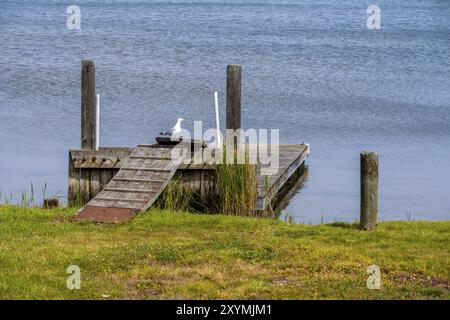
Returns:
(137, 180)
(146, 169)
(194, 166)
(116, 204)
(85, 185)
(74, 185)
(129, 190)
(103, 158)
(95, 181)
(121, 199)
(114, 215)
(151, 157)
(105, 176)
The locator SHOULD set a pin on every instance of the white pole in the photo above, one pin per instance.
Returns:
(97, 122)
(216, 107)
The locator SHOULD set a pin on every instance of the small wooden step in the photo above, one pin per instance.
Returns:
(146, 169)
(150, 157)
(128, 190)
(120, 199)
(110, 214)
(139, 180)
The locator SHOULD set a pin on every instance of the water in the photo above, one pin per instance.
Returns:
(310, 68)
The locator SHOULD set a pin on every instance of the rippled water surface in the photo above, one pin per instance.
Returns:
(310, 68)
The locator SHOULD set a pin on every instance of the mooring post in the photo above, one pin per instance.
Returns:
(51, 203)
(369, 190)
(88, 101)
(233, 97)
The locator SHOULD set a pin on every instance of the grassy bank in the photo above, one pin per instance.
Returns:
(163, 255)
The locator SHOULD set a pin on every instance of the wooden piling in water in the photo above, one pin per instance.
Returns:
(88, 99)
(369, 190)
(233, 97)
(82, 182)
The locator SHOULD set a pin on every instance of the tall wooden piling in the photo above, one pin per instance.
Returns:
(88, 97)
(369, 190)
(233, 97)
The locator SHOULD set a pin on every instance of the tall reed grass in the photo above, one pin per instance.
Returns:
(235, 192)
(236, 186)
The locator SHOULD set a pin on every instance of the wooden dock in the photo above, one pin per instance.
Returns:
(130, 179)
(116, 183)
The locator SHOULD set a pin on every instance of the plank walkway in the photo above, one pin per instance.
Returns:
(141, 179)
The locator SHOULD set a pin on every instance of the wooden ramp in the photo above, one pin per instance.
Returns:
(141, 179)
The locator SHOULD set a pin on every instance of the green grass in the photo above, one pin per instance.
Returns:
(162, 255)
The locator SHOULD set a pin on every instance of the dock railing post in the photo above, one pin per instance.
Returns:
(369, 190)
(88, 101)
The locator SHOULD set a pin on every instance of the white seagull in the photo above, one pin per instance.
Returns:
(176, 129)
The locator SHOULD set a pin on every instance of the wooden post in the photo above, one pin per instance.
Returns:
(88, 100)
(233, 97)
(369, 190)
(51, 203)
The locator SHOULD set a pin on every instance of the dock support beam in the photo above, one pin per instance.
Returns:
(88, 101)
(369, 190)
(233, 97)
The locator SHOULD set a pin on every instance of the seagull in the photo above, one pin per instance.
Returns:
(176, 129)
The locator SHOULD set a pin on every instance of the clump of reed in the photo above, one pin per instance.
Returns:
(236, 187)
(235, 191)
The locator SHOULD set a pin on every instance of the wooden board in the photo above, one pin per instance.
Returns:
(141, 179)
